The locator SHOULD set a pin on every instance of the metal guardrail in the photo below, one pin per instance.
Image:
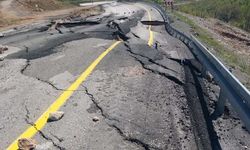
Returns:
(231, 88)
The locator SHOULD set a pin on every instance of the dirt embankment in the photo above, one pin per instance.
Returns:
(234, 38)
(17, 12)
(39, 5)
(230, 43)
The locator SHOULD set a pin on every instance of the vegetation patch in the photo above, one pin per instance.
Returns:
(236, 12)
(76, 2)
(233, 59)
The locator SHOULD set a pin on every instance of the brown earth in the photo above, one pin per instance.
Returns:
(40, 5)
(22, 12)
(233, 38)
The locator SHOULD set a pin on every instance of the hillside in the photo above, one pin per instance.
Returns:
(16, 12)
(235, 12)
(38, 5)
(229, 43)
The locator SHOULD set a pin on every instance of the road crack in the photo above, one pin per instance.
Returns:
(92, 98)
(28, 64)
(51, 84)
(47, 82)
(25, 66)
(43, 135)
(118, 33)
(27, 60)
(149, 59)
(125, 137)
(170, 77)
(39, 79)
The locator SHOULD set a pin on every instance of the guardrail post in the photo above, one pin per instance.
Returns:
(220, 105)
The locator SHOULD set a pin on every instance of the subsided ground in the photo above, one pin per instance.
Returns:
(143, 97)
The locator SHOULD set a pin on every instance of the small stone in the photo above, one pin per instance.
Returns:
(209, 77)
(95, 119)
(55, 116)
(26, 144)
(1, 35)
(3, 48)
(196, 34)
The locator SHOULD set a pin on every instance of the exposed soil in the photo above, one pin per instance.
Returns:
(38, 5)
(22, 12)
(233, 38)
(227, 129)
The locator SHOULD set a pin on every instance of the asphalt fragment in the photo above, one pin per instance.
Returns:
(42, 134)
(139, 57)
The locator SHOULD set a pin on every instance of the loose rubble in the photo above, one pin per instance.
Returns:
(55, 116)
(209, 76)
(3, 48)
(95, 119)
(26, 144)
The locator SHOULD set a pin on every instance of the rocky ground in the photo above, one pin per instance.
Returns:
(24, 12)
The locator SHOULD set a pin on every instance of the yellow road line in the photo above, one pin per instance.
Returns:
(42, 120)
(151, 33)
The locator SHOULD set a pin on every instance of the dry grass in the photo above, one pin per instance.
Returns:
(5, 21)
(41, 5)
(33, 9)
(83, 12)
(47, 8)
(231, 58)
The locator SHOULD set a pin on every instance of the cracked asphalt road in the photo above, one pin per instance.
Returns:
(136, 91)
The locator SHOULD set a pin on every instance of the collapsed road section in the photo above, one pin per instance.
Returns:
(127, 93)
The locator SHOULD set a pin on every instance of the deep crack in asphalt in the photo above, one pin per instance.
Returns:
(137, 56)
(130, 139)
(43, 135)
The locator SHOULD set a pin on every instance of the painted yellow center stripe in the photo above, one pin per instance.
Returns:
(42, 120)
(40, 123)
(151, 33)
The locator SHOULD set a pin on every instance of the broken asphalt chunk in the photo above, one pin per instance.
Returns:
(55, 116)
(3, 48)
(1, 35)
(26, 144)
(209, 77)
(95, 119)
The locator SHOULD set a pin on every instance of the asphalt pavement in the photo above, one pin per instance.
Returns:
(120, 83)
